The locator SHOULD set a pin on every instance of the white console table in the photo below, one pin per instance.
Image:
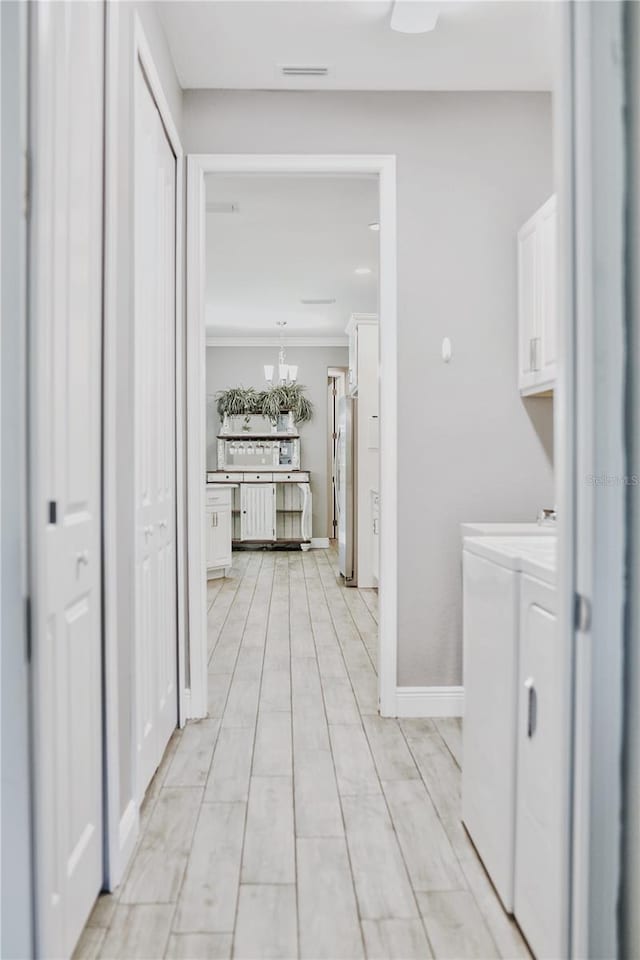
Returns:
(267, 507)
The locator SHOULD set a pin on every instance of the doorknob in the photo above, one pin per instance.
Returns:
(82, 557)
(148, 531)
(162, 524)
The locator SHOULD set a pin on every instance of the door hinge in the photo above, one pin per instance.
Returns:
(27, 185)
(581, 613)
(27, 625)
(334, 436)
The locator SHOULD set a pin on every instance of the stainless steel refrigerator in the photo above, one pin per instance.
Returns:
(346, 489)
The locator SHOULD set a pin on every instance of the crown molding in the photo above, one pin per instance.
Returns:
(275, 342)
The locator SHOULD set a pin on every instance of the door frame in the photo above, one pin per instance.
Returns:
(121, 828)
(18, 914)
(591, 442)
(384, 168)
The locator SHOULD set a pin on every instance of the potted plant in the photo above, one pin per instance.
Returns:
(237, 402)
(290, 399)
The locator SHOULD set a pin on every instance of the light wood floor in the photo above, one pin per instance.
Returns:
(294, 822)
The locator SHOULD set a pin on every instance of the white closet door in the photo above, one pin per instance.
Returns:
(156, 592)
(68, 44)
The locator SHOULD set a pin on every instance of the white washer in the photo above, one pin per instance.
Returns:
(491, 614)
(524, 528)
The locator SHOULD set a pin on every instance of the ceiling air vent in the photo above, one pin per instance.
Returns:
(291, 70)
(318, 301)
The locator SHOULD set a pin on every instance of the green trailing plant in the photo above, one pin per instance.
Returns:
(282, 398)
(285, 398)
(238, 401)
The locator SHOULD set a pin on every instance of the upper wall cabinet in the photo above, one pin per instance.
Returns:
(357, 320)
(537, 300)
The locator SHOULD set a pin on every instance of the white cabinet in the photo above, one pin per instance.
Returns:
(540, 900)
(218, 531)
(375, 535)
(537, 300)
(357, 321)
(258, 511)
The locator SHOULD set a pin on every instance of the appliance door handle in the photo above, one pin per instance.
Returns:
(532, 706)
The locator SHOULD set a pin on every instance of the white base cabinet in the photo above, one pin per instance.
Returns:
(540, 894)
(218, 531)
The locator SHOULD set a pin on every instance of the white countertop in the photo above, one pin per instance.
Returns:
(510, 529)
(536, 556)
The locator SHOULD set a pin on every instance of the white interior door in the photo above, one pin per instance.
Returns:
(155, 316)
(66, 324)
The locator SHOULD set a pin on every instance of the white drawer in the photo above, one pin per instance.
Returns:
(218, 498)
(224, 477)
(300, 476)
(257, 477)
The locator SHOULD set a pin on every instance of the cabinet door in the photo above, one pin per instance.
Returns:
(218, 537)
(541, 872)
(258, 511)
(528, 307)
(352, 385)
(548, 252)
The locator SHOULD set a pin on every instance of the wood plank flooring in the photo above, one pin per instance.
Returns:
(294, 822)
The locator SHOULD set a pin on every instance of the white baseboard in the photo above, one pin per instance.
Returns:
(430, 701)
(319, 543)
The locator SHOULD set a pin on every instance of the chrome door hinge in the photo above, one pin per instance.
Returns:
(26, 205)
(581, 613)
(27, 626)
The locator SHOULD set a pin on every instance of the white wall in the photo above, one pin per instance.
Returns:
(471, 168)
(242, 366)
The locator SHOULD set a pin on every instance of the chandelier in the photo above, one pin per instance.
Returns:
(287, 372)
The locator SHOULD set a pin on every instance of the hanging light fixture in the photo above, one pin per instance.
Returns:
(287, 372)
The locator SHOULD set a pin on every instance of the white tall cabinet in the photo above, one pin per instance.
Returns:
(363, 385)
(537, 301)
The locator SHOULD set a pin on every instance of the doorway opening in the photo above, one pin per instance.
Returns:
(380, 170)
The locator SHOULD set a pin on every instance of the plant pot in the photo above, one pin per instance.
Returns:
(291, 423)
(226, 425)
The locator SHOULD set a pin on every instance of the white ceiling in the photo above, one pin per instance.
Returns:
(292, 238)
(241, 44)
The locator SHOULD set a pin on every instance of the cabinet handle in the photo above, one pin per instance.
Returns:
(532, 706)
(375, 525)
(214, 519)
(533, 354)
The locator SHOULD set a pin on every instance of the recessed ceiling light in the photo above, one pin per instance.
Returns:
(414, 16)
(361, 271)
(374, 226)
